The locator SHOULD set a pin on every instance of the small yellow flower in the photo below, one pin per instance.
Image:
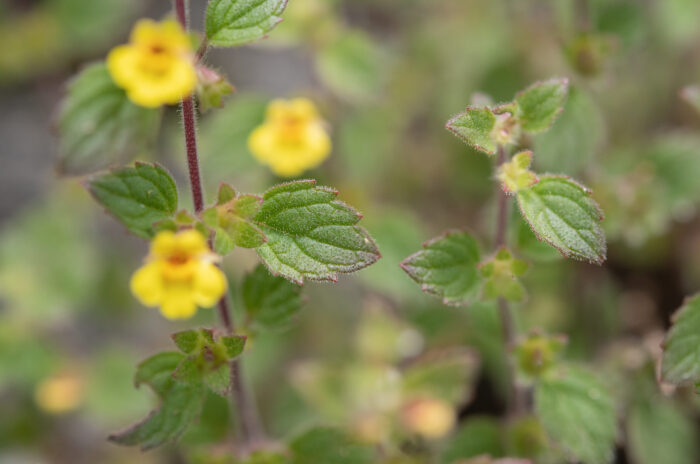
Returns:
(429, 417)
(179, 275)
(60, 394)
(156, 66)
(292, 139)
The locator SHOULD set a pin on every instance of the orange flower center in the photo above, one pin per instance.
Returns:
(178, 259)
(291, 129)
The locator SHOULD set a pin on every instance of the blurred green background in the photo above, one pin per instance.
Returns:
(386, 75)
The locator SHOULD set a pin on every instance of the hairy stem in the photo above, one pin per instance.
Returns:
(251, 427)
(249, 419)
(516, 394)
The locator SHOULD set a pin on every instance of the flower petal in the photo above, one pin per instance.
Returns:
(191, 242)
(147, 284)
(178, 304)
(209, 285)
(164, 244)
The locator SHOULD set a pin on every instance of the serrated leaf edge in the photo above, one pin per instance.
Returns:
(588, 192)
(450, 127)
(333, 277)
(424, 287)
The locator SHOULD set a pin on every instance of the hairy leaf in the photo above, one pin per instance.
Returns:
(330, 446)
(236, 22)
(98, 125)
(270, 301)
(137, 196)
(181, 403)
(563, 214)
(540, 104)
(233, 345)
(188, 341)
(447, 267)
(208, 358)
(310, 234)
(579, 414)
(475, 126)
(681, 359)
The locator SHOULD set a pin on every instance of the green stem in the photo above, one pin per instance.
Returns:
(249, 419)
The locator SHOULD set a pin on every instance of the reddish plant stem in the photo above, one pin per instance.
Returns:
(201, 51)
(516, 394)
(190, 129)
(252, 431)
(192, 158)
(249, 419)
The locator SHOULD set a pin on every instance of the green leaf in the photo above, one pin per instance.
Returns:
(676, 160)
(180, 404)
(563, 214)
(236, 22)
(572, 143)
(219, 380)
(353, 67)
(477, 436)
(310, 234)
(223, 242)
(330, 446)
(225, 194)
(681, 358)
(445, 375)
(208, 358)
(98, 125)
(579, 414)
(137, 196)
(658, 431)
(475, 127)
(188, 341)
(540, 104)
(447, 268)
(271, 302)
(233, 344)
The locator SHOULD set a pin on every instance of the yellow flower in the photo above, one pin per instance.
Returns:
(179, 275)
(429, 417)
(60, 393)
(156, 67)
(292, 139)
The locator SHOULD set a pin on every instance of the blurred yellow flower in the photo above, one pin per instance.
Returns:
(429, 417)
(156, 66)
(179, 275)
(60, 393)
(292, 139)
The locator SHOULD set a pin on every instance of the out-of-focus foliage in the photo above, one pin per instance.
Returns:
(52, 33)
